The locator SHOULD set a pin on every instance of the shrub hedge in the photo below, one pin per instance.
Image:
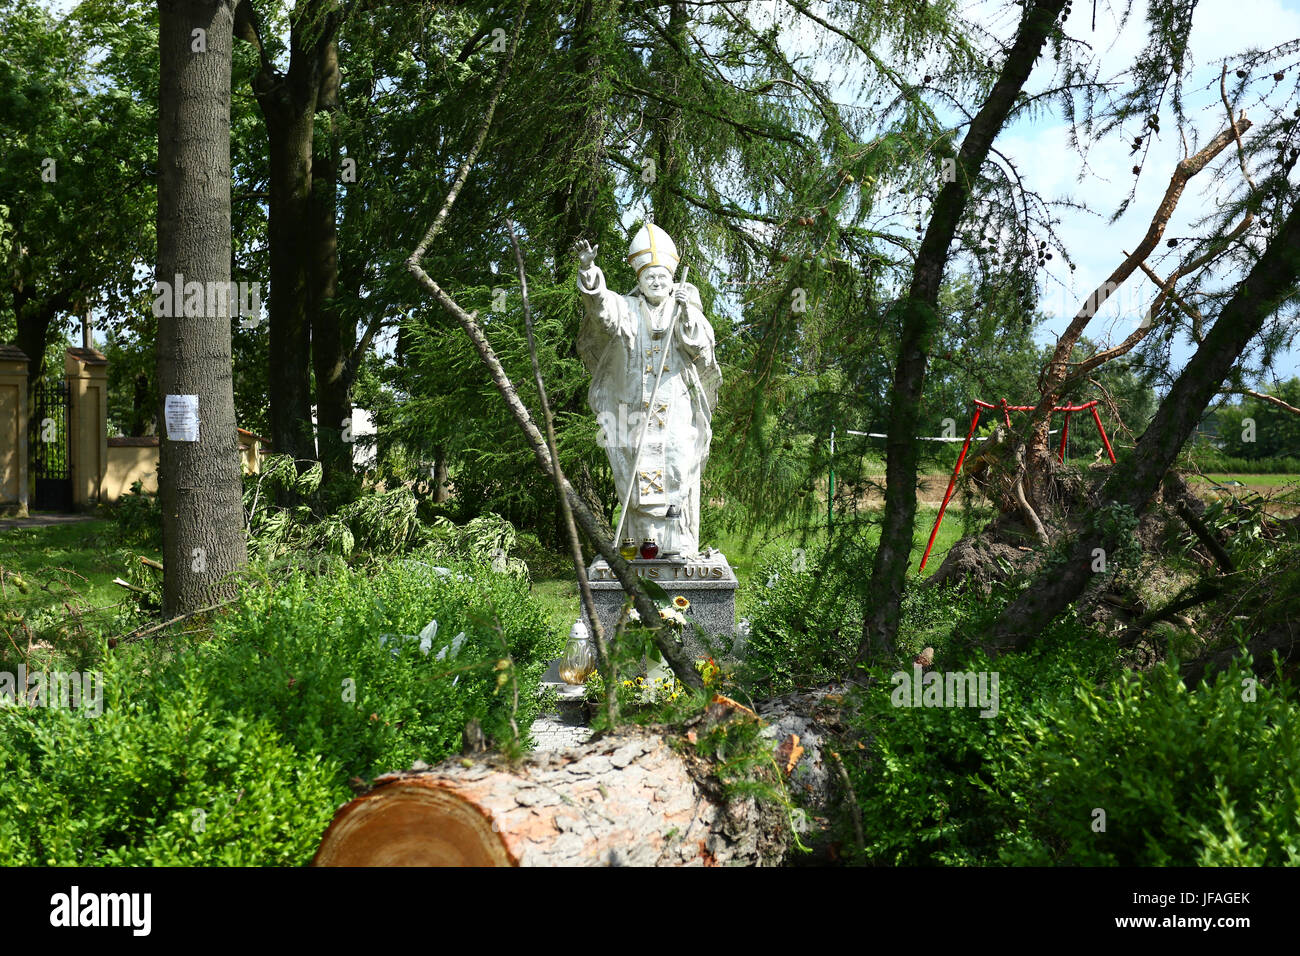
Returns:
(237, 748)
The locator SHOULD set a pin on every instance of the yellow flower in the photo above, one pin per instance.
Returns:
(681, 602)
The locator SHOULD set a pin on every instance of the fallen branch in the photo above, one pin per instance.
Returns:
(1202, 592)
(1050, 382)
(855, 811)
(608, 666)
(137, 635)
(1269, 398)
(1221, 556)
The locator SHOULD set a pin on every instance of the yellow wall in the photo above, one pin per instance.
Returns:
(129, 464)
(10, 424)
(13, 436)
(87, 373)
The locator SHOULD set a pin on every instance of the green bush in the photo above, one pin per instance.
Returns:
(137, 517)
(172, 781)
(1184, 777)
(918, 780)
(307, 655)
(257, 729)
(805, 623)
(1201, 777)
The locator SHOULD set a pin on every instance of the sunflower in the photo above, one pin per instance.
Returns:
(681, 602)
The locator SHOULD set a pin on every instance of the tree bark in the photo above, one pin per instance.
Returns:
(199, 482)
(440, 491)
(1134, 482)
(289, 129)
(288, 103)
(889, 570)
(333, 336)
(622, 800)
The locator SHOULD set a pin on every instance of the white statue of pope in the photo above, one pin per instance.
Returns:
(624, 341)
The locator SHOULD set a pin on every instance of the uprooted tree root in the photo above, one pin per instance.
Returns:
(1174, 592)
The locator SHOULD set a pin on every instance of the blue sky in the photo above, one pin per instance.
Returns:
(1220, 28)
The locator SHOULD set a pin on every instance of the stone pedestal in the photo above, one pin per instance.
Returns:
(707, 582)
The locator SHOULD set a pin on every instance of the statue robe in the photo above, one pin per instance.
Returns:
(621, 350)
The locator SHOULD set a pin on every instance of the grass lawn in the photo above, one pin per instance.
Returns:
(62, 567)
(560, 594)
(1273, 481)
(73, 565)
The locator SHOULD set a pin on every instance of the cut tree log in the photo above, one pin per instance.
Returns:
(628, 799)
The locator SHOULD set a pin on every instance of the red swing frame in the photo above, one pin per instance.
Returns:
(1006, 414)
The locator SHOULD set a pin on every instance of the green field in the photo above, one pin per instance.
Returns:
(73, 565)
(560, 594)
(61, 564)
(1271, 481)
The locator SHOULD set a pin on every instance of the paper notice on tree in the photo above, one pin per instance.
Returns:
(182, 413)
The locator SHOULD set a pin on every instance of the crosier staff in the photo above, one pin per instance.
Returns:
(679, 294)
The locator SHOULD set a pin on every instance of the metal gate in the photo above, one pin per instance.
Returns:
(47, 440)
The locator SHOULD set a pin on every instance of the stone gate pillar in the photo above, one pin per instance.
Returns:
(13, 431)
(87, 375)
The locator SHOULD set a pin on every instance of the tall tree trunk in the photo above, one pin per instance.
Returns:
(289, 127)
(920, 318)
(333, 336)
(198, 481)
(1133, 483)
(440, 493)
(288, 102)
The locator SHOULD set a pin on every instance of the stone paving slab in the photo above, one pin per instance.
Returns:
(42, 521)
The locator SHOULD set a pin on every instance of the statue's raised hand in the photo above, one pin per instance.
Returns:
(586, 253)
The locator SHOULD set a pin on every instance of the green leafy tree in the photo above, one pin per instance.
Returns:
(76, 158)
(1258, 428)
